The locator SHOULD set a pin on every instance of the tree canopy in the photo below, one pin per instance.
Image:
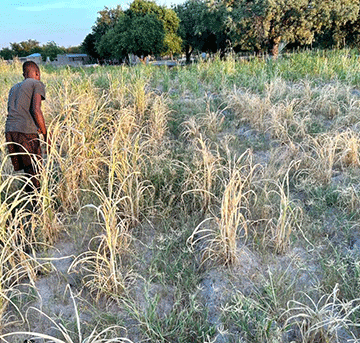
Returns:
(141, 35)
(26, 48)
(263, 24)
(215, 25)
(340, 23)
(145, 28)
(202, 26)
(190, 14)
(105, 21)
(51, 50)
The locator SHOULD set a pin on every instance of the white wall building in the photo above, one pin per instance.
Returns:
(71, 59)
(33, 57)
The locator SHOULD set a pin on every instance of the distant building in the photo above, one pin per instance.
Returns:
(33, 57)
(72, 59)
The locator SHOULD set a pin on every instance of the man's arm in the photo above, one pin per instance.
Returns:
(38, 115)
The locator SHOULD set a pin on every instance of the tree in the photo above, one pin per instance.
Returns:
(341, 23)
(352, 30)
(7, 54)
(74, 50)
(141, 35)
(202, 26)
(51, 50)
(105, 21)
(190, 14)
(88, 46)
(263, 24)
(213, 24)
(171, 41)
(145, 28)
(25, 48)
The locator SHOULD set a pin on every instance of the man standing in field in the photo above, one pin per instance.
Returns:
(24, 122)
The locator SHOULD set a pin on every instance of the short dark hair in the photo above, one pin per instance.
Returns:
(29, 65)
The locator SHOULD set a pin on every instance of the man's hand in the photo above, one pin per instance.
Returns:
(38, 115)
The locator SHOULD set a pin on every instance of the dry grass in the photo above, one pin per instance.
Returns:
(325, 320)
(66, 336)
(231, 223)
(267, 159)
(288, 219)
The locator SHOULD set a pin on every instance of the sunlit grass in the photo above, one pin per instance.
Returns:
(256, 154)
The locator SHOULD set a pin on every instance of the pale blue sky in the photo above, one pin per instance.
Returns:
(66, 22)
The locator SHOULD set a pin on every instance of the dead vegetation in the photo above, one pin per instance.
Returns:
(212, 203)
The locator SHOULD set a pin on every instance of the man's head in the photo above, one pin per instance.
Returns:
(31, 70)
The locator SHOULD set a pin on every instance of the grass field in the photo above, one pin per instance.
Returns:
(217, 202)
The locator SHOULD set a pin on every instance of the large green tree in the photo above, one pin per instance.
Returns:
(168, 18)
(7, 54)
(202, 26)
(341, 23)
(106, 20)
(145, 28)
(25, 48)
(213, 25)
(51, 50)
(263, 24)
(190, 14)
(140, 35)
(352, 30)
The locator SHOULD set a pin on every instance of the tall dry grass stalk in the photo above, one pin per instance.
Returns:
(17, 240)
(349, 148)
(288, 120)
(44, 219)
(289, 217)
(118, 91)
(206, 166)
(202, 178)
(250, 108)
(127, 169)
(323, 320)
(219, 239)
(275, 210)
(330, 151)
(117, 211)
(16, 266)
(119, 203)
(71, 164)
(140, 97)
(212, 120)
(235, 209)
(104, 272)
(157, 124)
(107, 335)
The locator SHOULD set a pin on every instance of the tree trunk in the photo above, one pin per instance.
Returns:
(222, 54)
(143, 59)
(188, 52)
(275, 47)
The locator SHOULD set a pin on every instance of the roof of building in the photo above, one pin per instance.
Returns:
(36, 54)
(76, 55)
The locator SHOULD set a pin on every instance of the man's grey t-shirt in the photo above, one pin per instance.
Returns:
(20, 118)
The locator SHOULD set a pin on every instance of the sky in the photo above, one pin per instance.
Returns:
(66, 22)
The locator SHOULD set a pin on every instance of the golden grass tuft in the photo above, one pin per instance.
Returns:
(219, 241)
(321, 321)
